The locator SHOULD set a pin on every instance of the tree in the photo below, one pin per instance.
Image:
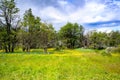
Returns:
(114, 38)
(3, 37)
(72, 35)
(35, 33)
(8, 15)
(30, 24)
(47, 36)
(81, 38)
(98, 40)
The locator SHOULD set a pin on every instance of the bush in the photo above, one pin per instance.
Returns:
(116, 50)
(109, 49)
(104, 53)
(113, 49)
(60, 47)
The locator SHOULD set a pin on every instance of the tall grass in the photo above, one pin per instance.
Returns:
(67, 65)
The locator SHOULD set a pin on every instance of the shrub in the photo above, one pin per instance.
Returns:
(109, 49)
(113, 49)
(104, 53)
(116, 50)
(60, 47)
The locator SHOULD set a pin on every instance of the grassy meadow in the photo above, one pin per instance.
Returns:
(77, 64)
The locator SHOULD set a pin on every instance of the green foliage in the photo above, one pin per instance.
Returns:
(104, 53)
(60, 47)
(114, 38)
(40, 35)
(31, 31)
(98, 40)
(3, 37)
(71, 35)
(116, 50)
(8, 16)
(29, 20)
(47, 36)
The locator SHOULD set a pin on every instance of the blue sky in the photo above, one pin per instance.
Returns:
(102, 15)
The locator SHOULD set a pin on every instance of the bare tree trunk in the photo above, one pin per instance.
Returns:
(13, 46)
(28, 48)
(45, 49)
(8, 33)
(6, 50)
(23, 49)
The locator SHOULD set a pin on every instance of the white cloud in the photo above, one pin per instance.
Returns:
(104, 29)
(52, 14)
(62, 2)
(108, 29)
(25, 6)
(117, 2)
(92, 11)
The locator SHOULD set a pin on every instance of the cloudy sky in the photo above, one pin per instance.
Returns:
(102, 15)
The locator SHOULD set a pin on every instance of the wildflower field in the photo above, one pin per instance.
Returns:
(77, 64)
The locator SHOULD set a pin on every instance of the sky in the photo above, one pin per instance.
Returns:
(102, 15)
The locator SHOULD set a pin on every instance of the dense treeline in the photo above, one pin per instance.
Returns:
(30, 32)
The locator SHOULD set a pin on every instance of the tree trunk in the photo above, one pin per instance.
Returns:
(28, 48)
(8, 33)
(12, 49)
(45, 49)
(6, 50)
(9, 43)
(14, 41)
(13, 46)
(23, 49)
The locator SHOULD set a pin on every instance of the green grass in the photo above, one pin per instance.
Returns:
(75, 64)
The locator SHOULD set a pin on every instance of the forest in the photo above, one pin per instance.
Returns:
(30, 32)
